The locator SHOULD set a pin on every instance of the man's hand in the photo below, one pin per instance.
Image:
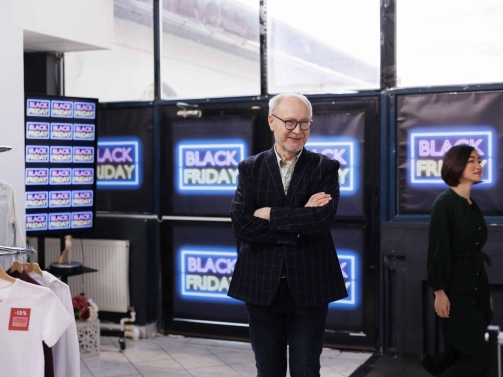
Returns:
(442, 304)
(318, 200)
(263, 213)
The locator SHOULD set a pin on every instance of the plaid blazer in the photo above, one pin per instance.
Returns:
(296, 238)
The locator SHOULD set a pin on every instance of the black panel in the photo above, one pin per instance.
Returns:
(201, 157)
(428, 124)
(125, 160)
(409, 321)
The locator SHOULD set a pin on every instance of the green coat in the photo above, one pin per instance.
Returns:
(455, 264)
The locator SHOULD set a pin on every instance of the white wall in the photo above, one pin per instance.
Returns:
(12, 99)
(88, 22)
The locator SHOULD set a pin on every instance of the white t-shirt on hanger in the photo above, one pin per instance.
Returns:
(66, 352)
(10, 229)
(29, 314)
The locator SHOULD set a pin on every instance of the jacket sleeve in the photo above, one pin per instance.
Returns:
(311, 220)
(247, 227)
(439, 249)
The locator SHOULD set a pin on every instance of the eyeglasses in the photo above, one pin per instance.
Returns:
(292, 124)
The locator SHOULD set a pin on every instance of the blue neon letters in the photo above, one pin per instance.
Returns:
(343, 150)
(119, 163)
(210, 167)
(427, 146)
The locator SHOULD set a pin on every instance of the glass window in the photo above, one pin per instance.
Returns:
(449, 42)
(322, 46)
(210, 48)
(124, 73)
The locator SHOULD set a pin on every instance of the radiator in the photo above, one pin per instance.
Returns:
(109, 287)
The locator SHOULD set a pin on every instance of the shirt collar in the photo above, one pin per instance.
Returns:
(281, 161)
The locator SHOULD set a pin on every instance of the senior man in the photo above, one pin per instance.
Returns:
(287, 269)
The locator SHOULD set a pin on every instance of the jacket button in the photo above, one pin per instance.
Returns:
(476, 243)
(475, 289)
(480, 228)
(280, 257)
(473, 302)
(478, 273)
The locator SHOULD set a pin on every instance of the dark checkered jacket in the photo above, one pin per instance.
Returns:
(296, 237)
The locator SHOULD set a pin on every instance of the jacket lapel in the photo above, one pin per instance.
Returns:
(298, 173)
(272, 166)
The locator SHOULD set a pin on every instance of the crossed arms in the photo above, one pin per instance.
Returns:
(283, 225)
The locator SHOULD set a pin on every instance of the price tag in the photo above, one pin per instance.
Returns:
(19, 319)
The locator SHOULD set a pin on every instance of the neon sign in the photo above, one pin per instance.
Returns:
(61, 131)
(209, 167)
(37, 153)
(59, 221)
(36, 222)
(38, 107)
(82, 198)
(351, 272)
(119, 163)
(61, 154)
(343, 150)
(60, 177)
(85, 110)
(59, 199)
(82, 220)
(205, 272)
(83, 154)
(37, 176)
(83, 132)
(61, 109)
(427, 147)
(83, 176)
(36, 199)
(36, 130)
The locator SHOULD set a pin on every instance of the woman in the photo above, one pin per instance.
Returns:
(456, 270)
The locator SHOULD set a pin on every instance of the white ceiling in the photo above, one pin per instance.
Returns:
(36, 42)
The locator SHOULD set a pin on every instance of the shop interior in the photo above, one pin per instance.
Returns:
(122, 123)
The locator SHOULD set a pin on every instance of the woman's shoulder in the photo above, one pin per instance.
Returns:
(445, 199)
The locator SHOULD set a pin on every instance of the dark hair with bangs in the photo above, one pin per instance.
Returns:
(455, 161)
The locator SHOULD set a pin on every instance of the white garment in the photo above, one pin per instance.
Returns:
(10, 229)
(21, 351)
(65, 353)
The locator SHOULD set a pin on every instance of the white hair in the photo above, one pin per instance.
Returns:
(275, 101)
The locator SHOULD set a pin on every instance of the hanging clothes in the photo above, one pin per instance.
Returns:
(66, 352)
(29, 315)
(10, 229)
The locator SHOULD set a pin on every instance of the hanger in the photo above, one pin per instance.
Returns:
(16, 266)
(4, 276)
(32, 267)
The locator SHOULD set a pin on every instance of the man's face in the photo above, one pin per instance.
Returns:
(289, 142)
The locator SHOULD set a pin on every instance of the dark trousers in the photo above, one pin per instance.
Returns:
(282, 322)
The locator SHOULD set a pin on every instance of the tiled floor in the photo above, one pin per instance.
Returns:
(168, 356)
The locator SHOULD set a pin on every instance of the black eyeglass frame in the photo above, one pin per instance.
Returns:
(310, 121)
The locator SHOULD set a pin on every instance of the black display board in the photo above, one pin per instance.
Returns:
(204, 157)
(341, 136)
(125, 160)
(428, 125)
(348, 314)
(60, 161)
(204, 256)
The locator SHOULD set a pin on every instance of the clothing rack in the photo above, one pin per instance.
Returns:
(8, 250)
